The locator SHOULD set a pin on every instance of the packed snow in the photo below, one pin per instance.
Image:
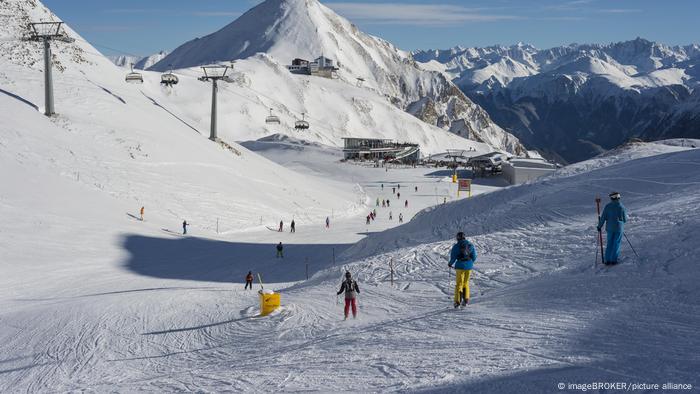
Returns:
(95, 298)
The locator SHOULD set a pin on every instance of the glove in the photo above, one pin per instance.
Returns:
(449, 265)
(599, 228)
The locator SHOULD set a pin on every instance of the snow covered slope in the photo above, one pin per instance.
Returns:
(576, 101)
(140, 63)
(289, 29)
(334, 109)
(114, 138)
(161, 314)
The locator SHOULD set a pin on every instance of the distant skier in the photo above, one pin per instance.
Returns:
(374, 213)
(184, 227)
(368, 219)
(382, 187)
(249, 281)
(405, 205)
(281, 226)
(398, 186)
(388, 203)
(393, 190)
(383, 203)
(292, 227)
(142, 210)
(614, 217)
(390, 215)
(377, 201)
(328, 222)
(349, 286)
(280, 250)
(398, 196)
(462, 257)
(416, 189)
(444, 200)
(400, 217)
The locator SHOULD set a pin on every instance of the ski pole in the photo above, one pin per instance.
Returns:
(260, 280)
(630, 243)
(600, 233)
(596, 253)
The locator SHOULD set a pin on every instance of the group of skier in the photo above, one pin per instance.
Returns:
(292, 226)
(142, 211)
(463, 255)
(386, 203)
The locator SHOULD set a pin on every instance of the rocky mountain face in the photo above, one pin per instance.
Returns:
(575, 101)
(289, 29)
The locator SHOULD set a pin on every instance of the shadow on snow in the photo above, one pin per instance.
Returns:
(207, 260)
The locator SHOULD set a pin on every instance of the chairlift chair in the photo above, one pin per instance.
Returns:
(272, 118)
(169, 79)
(134, 77)
(301, 124)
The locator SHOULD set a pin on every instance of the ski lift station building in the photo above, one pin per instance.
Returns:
(380, 149)
(321, 67)
(519, 170)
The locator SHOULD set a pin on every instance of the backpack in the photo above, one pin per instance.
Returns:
(464, 254)
(349, 286)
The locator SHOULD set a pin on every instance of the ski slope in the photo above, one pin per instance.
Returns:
(150, 311)
(93, 299)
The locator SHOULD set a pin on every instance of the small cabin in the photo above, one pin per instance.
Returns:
(300, 62)
(520, 170)
(320, 67)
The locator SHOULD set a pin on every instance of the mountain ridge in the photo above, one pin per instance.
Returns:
(575, 101)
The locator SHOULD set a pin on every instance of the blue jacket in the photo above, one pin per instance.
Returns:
(615, 215)
(462, 264)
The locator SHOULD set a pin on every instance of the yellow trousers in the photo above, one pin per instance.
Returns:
(462, 284)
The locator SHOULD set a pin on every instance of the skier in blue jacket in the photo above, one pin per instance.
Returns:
(614, 217)
(462, 257)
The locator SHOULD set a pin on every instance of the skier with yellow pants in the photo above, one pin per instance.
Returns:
(462, 258)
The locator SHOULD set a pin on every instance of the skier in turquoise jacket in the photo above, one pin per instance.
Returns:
(614, 217)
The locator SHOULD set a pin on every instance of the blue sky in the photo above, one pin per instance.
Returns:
(143, 27)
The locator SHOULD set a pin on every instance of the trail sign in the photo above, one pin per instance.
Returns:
(464, 185)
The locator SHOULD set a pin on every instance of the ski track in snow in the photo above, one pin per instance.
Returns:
(536, 311)
(91, 300)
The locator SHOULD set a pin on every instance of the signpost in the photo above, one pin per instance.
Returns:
(464, 185)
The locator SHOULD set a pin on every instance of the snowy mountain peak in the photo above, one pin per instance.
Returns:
(140, 63)
(288, 29)
(642, 87)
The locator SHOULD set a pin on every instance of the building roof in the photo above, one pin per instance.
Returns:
(531, 163)
(366, 139)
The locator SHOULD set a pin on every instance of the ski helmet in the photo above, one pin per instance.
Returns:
(615, 195)
(460, 236)
(347, 274)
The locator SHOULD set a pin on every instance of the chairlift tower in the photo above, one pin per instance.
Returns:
(47, 31)
(214, 74)
(455, 154)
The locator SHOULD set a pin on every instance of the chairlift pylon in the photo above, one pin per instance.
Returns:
(169, 79)
(134, 77)
(272, 118)
(301, 124)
